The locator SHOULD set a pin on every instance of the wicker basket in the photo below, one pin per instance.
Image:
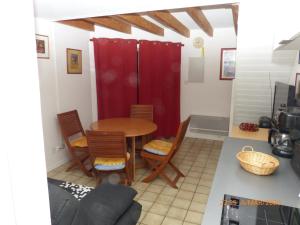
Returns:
(257, 162)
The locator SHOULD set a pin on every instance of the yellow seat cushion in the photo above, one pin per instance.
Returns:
(110, 163)
(158, 147)
(79, 142)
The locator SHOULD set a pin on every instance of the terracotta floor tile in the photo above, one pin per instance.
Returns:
(171, 221)
(181, 203)
(159, 209)
(194, 217)
(177, 213)
(152, 219)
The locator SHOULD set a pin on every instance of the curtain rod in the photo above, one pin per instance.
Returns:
(139, 42)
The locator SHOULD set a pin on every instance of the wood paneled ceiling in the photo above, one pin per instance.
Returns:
(124, 22)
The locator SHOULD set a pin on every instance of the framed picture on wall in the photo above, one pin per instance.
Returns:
(297, 86)
(227, 64)
(42, 46)
(74, 61)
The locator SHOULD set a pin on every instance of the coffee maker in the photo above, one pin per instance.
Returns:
(285, 131)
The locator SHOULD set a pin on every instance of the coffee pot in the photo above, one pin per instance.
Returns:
(285, 132)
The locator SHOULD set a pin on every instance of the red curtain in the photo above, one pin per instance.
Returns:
(159, 83)
(116, 76)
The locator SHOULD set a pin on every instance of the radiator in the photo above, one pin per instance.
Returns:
(209, 125)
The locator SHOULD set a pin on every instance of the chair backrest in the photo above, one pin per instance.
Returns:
(180, 136)
(70, 124)
(106, 144)
(142, 112)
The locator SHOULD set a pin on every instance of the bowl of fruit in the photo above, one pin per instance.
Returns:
(252, 127)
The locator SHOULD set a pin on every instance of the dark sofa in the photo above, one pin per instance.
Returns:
(107, 204)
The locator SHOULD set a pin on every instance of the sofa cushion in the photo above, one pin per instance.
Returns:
(104, 205)
(63, 206)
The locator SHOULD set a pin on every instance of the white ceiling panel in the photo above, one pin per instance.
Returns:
(219, 18)
(72, 9)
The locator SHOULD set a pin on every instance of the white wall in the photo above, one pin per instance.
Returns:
(213, 97)
(209, 98)
(61, 91)
(256, 60)
(24, 192)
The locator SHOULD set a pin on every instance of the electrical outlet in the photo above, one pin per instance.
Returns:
(59, 148)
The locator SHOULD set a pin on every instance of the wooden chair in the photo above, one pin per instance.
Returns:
(70, 126)
(108, 153)
(160, 153)
(142, 112)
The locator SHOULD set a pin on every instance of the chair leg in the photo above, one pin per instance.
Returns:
(77, 162)
(73, 164)
(158, 170)
(155, 171)
(176, 169)
(128, 176)
(169, 181)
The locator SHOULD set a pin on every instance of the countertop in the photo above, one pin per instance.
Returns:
(260, 135)
(230, 178)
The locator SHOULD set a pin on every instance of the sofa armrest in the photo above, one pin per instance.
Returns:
(104, 205)
(131, 215)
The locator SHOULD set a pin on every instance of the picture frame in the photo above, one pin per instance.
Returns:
(42, 46)
(74, 61)
(227, 63)
(297, 86)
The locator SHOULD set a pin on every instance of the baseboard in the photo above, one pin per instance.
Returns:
(205, 136)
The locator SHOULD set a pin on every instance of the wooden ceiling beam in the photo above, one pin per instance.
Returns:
(167, 19)
(199, 18)
(80, 23)
(141, 23)
(235, 15)
(110, 23)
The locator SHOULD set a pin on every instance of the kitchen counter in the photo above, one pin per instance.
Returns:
(260, 135)
(230, 178)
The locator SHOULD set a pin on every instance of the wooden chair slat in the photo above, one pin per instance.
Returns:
(111, 144)
(70, 125)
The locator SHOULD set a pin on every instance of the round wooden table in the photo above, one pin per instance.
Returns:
(132, 127)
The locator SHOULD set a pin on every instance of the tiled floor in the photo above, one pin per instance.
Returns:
(163, 205)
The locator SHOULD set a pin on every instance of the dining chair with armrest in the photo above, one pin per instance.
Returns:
(75, 140)
(159, 154)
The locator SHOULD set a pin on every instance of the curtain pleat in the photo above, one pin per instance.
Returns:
(159, 83)
(116, 76)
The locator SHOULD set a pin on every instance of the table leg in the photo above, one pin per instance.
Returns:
(133, 157)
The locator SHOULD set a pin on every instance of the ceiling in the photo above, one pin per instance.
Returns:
(218, 18)
(71, 9)
(112, 15)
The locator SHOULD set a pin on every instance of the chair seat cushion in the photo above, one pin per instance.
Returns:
(158, 147)
(79, 142)
(110, 163)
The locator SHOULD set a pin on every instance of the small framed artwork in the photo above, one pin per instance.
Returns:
(227, 65)
(74, 61)
(297, 86)
(42, 46)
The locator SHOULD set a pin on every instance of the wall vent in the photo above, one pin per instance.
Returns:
(214, 125)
